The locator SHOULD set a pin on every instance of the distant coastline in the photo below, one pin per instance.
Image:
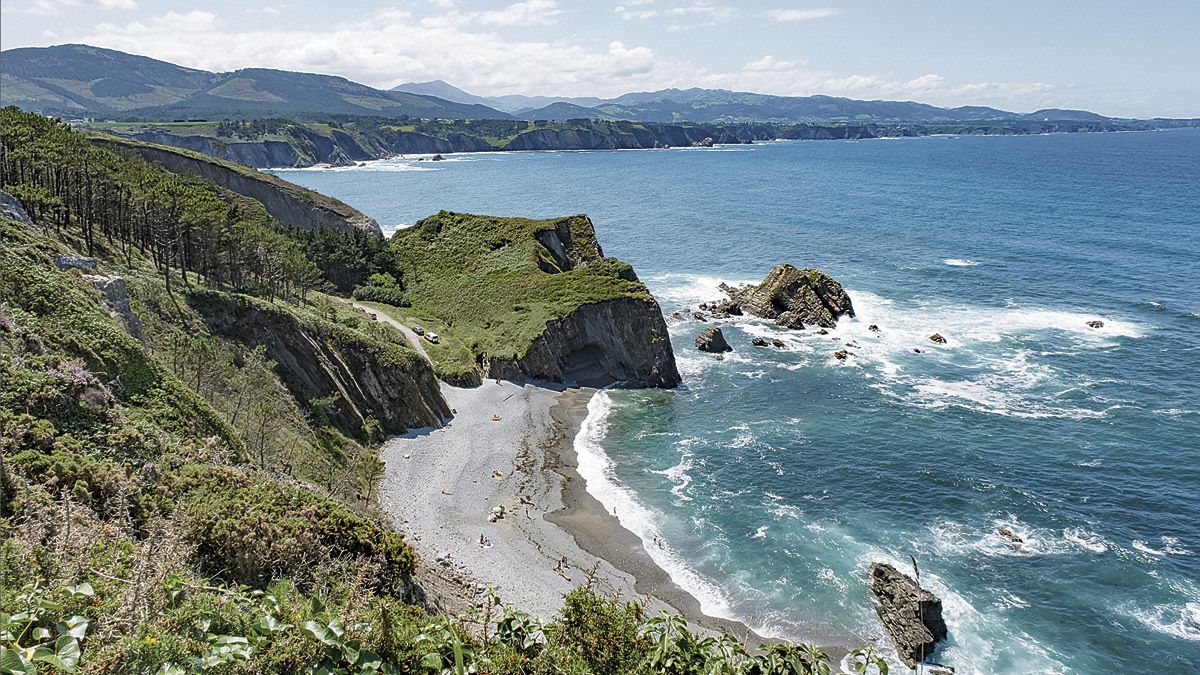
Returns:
(284, 144)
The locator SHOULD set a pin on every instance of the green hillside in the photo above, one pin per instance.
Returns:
(76, 81)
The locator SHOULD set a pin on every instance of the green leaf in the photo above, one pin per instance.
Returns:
(75, 626)
(82, 589)
(11, 662)
(317, 631)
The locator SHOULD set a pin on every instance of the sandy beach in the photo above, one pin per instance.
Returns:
(511, 445)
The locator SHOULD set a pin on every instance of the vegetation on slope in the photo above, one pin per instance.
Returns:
(170, 504)
(494, 285)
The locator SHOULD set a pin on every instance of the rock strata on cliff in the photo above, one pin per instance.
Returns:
(536, 299)
(792, 298)
(911, 615)
(366, 378)
(291, 204)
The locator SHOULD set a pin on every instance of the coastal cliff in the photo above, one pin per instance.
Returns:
(291, 204)
(317, 360)
(536, 299)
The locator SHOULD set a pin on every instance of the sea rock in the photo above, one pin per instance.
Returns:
(1012, 537)
(873, 328)
(916, 351)
(699, 317)
(778, 344)
(1096, 323)
(842, 354)
(703, 143)
(713, 341)
(793, 297)
(436, 158)
(911, 615)
(339, 158)
(758, 342)
(937, 337)
(822, 332)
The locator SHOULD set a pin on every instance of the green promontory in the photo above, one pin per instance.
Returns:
(535, 299)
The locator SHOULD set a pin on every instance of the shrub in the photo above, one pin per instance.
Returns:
(268, 531)
(388, 296)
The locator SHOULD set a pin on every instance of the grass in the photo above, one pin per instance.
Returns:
(491, 284)
(453, 360)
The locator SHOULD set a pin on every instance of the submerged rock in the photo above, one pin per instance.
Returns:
(1011, 536)
(713, 341)
(911, 615)
(1095, 323)
(758, 342)
(873, 328)
(937, 337)
(792, 297)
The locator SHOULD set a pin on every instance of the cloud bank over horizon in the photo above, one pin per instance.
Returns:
(556, 48)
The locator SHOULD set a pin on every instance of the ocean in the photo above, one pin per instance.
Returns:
(775, 477)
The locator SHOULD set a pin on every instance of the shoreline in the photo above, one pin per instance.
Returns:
(439, 485)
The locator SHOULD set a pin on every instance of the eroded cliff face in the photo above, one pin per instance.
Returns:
(291, 204)
(614, 341)
(366, 378)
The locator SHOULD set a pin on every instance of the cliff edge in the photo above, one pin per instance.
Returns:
(536, 299)
(291, 204)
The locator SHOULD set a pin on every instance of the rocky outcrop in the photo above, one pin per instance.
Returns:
(1095, 323)
(366, 378)
(293, 205)
(937, 339)
(792, 298)
(11, 208)
(115, 292)
(712, 340)
(613, 341)
(911, 615)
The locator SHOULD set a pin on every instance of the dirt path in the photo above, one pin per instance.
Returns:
(413, 338)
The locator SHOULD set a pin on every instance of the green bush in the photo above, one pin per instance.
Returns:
(267, 531)
(388, 296)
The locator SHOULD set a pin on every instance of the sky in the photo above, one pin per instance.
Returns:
(1116, 58)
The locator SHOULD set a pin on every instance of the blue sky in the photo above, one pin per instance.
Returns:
(1118, 58)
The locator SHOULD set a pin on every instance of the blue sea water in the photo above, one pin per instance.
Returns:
(775, 477)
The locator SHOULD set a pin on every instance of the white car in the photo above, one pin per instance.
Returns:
(432, 337)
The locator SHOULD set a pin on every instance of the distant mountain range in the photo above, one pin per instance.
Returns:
(721, 105)
(82, 81)
(76, 81)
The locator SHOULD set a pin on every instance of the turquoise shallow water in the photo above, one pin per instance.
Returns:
(775, 477)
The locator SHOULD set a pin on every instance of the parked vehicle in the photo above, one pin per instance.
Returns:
(418, 330)
(432, 337)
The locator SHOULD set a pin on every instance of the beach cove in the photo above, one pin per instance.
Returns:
(512, 445)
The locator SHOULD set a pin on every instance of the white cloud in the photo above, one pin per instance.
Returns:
(643, 10)
(788, 15)
(468, 50)
(56, 7)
